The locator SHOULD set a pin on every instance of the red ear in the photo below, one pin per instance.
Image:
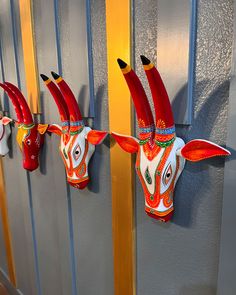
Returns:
(42, 128)
(199, 149)
(54, 128)
(127, 143)
(96, 137)
(5, 120)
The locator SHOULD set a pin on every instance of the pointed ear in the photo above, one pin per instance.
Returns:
(96, 137)
(54, 128)
(199, 149)
(42, 128)
(127, 143)
(5, 120)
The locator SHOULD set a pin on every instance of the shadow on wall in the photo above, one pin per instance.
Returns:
(96, 162)
(188, 192)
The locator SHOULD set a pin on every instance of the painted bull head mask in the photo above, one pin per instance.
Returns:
(5, 131)
(30, 136)
(77, 141)
(160, 154)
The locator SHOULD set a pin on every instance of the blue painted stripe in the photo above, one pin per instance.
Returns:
(71, 236)
(192, 59)
(146, 129)
(169, 130)
(36, 260)
(77, 123)
(90, 59)
(57, 31)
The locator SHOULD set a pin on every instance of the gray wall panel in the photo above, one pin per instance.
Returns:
(3, 257)
(181, 257)
(173, 25)
(49, 191)
(74, 49)
(15, 176)
(92, 206)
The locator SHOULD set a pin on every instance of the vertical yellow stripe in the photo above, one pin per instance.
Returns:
(6, 228)
(29, 53)
(118, 23)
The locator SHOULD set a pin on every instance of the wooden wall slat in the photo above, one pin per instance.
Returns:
(118, 17)
(29, 54)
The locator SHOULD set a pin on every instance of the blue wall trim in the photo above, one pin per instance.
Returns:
(192, 58)
(57, 31)
(90, 59)
(14, 33)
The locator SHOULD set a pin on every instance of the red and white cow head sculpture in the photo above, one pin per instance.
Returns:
(160, 154)
(5, 131)
(30, 135)
(77, 141)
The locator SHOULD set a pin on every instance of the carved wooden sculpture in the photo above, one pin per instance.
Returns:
(30, 135)
(161, 154)
(77, 141)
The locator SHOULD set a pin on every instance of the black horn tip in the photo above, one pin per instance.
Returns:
(55, 75)
(121, 63)
(44, 77)
(145, 61)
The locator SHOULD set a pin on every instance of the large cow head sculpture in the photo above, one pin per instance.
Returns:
(77, 141)
(160, 154)
(5, 131)
(30, 135)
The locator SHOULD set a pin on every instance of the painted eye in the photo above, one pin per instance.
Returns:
(76, 152)
(28, 141)
(167, 175)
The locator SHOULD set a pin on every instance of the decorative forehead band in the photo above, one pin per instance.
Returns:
(26, 126)
(76, 127)
(165, 136)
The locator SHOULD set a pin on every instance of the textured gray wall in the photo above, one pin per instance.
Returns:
(181, 257)
(227, 261)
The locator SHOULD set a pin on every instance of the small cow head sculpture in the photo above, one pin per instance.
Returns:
(77, 141)
(30, 136)
(5, 131)
(160, 154)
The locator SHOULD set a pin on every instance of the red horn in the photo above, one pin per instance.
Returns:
(59, 99)
(27, 116)
(15, 102)
(143, 110)
(75, 115)
(163, 110)
(165, 128)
